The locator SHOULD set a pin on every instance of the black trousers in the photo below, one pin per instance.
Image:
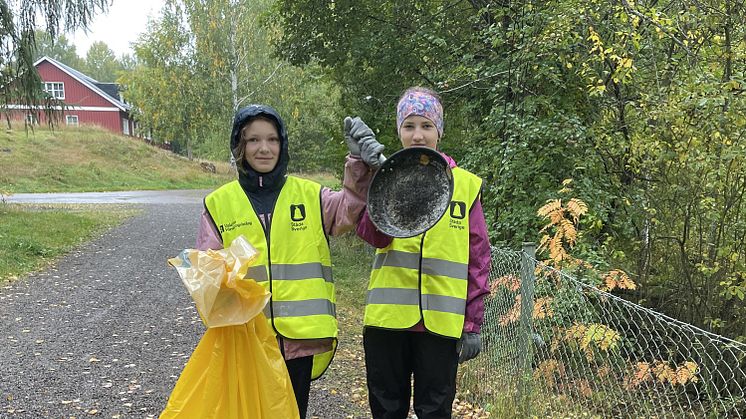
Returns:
(393, 356)
(300, 375)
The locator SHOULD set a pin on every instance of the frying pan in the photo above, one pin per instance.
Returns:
(410, 192)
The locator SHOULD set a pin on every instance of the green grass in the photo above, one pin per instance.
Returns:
(352, 259)
(31, 237)
(325, 179)
(92, 159)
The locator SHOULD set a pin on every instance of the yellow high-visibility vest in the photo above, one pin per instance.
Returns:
(294, 264)
(425, 276)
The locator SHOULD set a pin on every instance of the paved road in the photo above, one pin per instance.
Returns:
(107, 330)
(125, 197)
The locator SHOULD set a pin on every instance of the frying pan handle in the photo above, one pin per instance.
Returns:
(381, 159)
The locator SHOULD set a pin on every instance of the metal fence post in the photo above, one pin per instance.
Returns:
(528, 280)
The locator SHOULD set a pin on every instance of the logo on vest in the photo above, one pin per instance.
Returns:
(458, 213)
(227, 227)
(298, 216)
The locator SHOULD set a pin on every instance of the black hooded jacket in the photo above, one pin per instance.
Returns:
(261, 188)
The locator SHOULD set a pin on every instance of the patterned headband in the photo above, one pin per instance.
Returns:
(420, 104)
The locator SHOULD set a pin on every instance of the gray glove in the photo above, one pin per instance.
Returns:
(354, 130)
(370, 151)
(468, 346)
(352, 144)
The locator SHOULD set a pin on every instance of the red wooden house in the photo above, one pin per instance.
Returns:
(87, 101)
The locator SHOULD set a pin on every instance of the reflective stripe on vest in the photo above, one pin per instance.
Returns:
(425, 277)
(302, 271)
(294, 265)
(429, 266)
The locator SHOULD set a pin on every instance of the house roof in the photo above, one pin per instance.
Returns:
(109, 91)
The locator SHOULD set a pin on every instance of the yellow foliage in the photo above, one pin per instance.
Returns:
(603, 372)
(687, 372)
(555, 217)
(605, 337)
(640, 374)
(510, 281)
(594, 335)
(551, 206)
(513, 314)
(663, 372)
(556, 251)
(566, 186)
(543, 308)
(544, 239)
(575, 332)
(584, 388)
(547, 370)
(568, 231)
(565, 229)
(618, 279)
(576, 207)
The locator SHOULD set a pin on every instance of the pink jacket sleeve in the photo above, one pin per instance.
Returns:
(370, 234)
(342, 208)
(479, 269)
(479, 262)
(207, 235)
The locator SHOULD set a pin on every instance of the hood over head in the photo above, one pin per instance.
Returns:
(249, 178)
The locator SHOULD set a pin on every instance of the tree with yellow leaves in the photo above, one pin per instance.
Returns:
(561, 234)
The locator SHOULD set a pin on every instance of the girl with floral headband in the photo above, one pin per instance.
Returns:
(425, 306)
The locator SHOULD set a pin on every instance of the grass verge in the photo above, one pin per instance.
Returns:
(91, 159)
(326, 179)
(31, 237)
(346, 375)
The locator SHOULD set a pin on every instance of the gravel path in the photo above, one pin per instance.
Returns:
(108, 329)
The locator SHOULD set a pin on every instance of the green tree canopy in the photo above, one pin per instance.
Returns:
(58, 48)
(101, 63)
(641, 103)
(203, 60)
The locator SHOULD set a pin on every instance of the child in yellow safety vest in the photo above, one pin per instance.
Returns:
(424, 306)
(288, 219)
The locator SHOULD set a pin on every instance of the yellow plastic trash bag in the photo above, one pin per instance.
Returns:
(215, 280)
(237, 370)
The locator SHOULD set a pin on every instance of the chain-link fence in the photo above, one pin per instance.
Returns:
(555, 346)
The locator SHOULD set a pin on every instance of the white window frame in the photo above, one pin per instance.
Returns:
(56, 89)
(72, 120)
(125, 126)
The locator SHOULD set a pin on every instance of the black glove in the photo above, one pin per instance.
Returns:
(469, 346)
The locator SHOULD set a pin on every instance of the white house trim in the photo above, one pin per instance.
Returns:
(67, 108)
(92, 108)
